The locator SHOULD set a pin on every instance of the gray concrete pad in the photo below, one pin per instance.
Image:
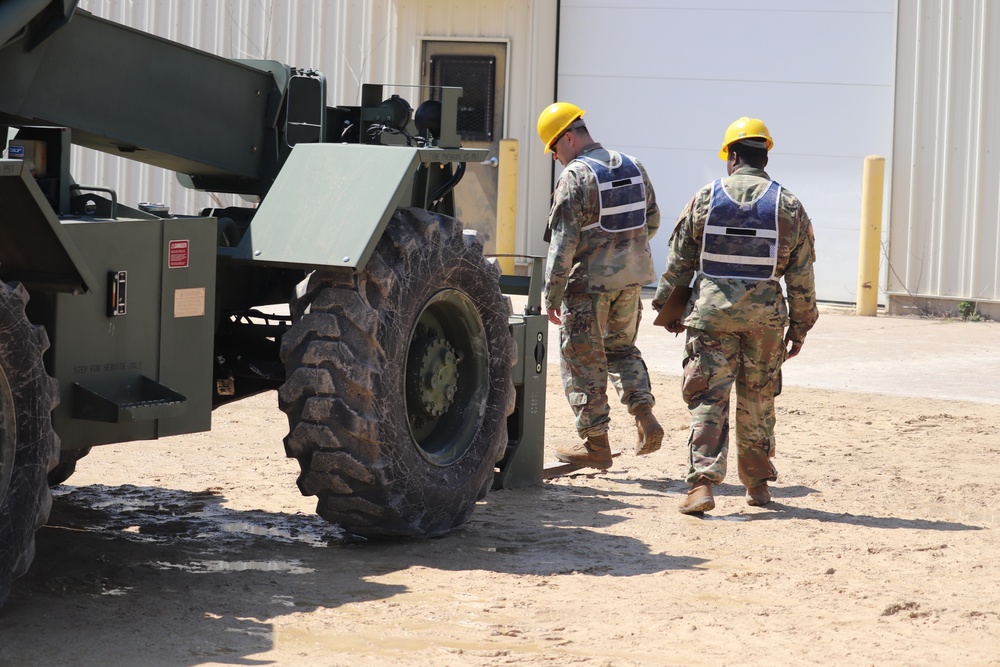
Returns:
(903, 356)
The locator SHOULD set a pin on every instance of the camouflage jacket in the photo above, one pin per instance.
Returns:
(733, 304)
(593, 260)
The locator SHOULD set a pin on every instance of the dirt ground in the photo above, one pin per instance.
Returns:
(881, 549)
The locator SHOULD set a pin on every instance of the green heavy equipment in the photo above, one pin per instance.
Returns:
(410, 386)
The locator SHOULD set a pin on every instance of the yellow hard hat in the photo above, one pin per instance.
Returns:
(745, 128)
(556, 119)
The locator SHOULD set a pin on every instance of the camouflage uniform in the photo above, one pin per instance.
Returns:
(595, 277)
(735, 332)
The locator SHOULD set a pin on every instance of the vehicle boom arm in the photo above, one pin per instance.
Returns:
(126, 92)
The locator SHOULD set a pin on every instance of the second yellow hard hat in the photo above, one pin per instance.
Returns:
(556, 119)
(745, 128)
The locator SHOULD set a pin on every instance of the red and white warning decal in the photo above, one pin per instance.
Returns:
(179, 254)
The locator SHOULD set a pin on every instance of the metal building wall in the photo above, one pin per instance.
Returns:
(944, 244)
(818, 72)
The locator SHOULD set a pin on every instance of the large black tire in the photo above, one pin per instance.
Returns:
(399, 382)
(67, 465)
(29, 447)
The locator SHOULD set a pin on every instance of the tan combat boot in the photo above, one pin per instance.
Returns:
(758, 495)
(699, 498)
(594, 452)
(650, 431)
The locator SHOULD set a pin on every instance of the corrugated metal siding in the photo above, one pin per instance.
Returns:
(945, 206)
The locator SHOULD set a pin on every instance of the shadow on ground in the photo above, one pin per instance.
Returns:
(115, 566)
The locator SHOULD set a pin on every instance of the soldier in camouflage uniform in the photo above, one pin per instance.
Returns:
(735, 239)
(602, 217)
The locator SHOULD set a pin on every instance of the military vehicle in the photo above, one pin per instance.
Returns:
(410, 386)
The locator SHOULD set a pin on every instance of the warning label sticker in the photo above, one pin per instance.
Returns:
(189, 302)
(179, 254)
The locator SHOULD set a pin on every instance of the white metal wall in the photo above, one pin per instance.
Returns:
(662, 79)
(351, 42)
(944, 244)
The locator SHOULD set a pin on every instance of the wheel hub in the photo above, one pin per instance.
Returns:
(446, 377)
(434, 374)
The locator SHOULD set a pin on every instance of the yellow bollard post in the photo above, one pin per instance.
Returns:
(871, 235)
(507, 204)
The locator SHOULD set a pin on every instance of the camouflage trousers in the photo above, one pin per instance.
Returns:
(597, 342)
(713, 362)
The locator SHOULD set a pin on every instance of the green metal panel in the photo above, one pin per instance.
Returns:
(147, 372)
(106, 356)
(15, 14)
(34, 248)
(187, 338)
(523, 463)
(337, 198)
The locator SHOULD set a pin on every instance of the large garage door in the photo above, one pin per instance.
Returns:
(662, 79)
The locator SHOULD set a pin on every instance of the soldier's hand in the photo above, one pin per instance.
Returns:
(675, 327)
(672, 311)
(792, 347)
(555, 315)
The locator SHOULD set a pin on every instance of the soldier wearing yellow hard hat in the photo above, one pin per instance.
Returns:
(748, 131)
(555, 120)
(734, 242)
(602, 217)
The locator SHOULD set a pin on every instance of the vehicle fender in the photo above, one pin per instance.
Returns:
(329, 206)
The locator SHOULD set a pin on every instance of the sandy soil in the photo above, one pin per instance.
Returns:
(881, 549)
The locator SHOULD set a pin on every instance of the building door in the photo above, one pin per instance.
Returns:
(480, 68)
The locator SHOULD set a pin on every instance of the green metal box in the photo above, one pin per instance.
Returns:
(134, 357)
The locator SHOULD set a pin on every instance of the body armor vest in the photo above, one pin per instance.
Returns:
(623, 195)
(741, 239)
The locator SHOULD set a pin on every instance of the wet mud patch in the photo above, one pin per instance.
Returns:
(153, 514)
